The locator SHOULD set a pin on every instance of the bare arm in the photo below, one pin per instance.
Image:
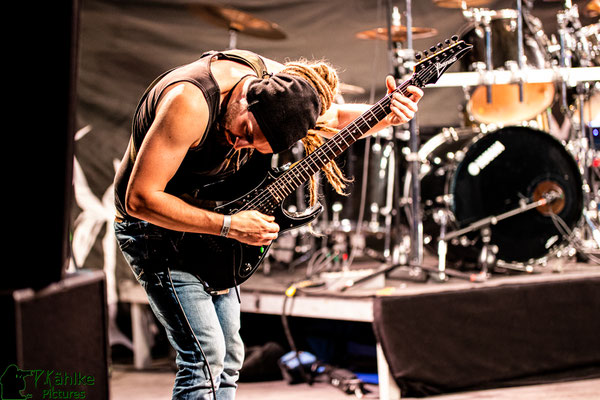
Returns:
(182, 117)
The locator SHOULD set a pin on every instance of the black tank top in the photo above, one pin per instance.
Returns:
(213, 158)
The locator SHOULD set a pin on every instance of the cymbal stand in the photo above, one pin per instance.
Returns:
(399, 60)
(520, 51)
(416, 254)
(566, 19)
(233, 34)
(483, 17)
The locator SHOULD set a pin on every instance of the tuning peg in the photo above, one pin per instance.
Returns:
(432, 49)
(439, 45)
(454, 38)
(447, 41)
(425, 53)
(418, 56)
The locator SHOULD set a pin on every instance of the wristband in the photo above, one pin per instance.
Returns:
(226, 225)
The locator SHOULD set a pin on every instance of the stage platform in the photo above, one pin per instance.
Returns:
(436, 337)
(156, 383)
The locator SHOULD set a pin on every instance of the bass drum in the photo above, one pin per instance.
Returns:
(470, 176)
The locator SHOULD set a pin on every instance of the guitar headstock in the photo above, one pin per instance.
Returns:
(437, 60)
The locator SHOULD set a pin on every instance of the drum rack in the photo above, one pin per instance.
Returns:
(570, 76)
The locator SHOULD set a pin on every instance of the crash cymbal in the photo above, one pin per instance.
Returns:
(238, 21)
(592, 9)
(398, 33)
(461, 3)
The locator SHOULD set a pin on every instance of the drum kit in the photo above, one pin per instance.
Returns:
(505, 191)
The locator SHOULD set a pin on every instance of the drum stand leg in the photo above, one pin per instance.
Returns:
(585, 148)
(487, 256)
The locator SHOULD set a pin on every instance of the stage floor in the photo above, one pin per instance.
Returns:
(264, 293)
(126, 383)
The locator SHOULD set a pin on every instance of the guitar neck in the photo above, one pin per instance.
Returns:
(311, 164)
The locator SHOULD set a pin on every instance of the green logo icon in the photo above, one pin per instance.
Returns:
(13, 383)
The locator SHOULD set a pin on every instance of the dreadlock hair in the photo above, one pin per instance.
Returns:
(324, 79)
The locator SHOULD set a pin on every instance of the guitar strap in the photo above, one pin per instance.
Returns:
(246, 57)
(249, 58)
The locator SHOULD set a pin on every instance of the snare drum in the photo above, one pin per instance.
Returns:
(505, 107)
(469, 176)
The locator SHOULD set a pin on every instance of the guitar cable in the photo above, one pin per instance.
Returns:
(206, 363)
(289, 293)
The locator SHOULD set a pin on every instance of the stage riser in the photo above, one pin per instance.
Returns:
(491, 336)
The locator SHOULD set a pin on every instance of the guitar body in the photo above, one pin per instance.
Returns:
(224, 263)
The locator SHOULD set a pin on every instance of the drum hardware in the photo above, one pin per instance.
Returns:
(505, 40)
(520, 51)
(582, 144)
(487, 258)
(565, 18)
(592, 8)
(488, 252)
(484, 17)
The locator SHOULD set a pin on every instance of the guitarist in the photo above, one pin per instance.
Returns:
(199, 123)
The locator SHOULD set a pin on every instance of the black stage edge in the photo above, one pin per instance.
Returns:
(504, 335)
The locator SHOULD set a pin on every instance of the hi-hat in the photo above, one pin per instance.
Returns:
(592, 8)
(239, 21)
(461, 3)
(398, 33)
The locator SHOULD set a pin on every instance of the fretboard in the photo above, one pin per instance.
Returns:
(290, 180)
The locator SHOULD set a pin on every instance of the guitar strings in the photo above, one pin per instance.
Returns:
(266, 196)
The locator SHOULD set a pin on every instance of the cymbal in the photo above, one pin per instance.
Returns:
(461, 3)
(592, 8)
(398, 33)
(238, 21)
(350, 89)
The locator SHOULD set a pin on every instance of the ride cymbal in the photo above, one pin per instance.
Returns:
(239, 21)
(398, 33)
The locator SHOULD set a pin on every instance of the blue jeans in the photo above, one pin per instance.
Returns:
(202, 328)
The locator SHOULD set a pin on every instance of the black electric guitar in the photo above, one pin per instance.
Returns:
(224, 263)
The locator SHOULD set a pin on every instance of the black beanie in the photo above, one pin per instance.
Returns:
(285, 107)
